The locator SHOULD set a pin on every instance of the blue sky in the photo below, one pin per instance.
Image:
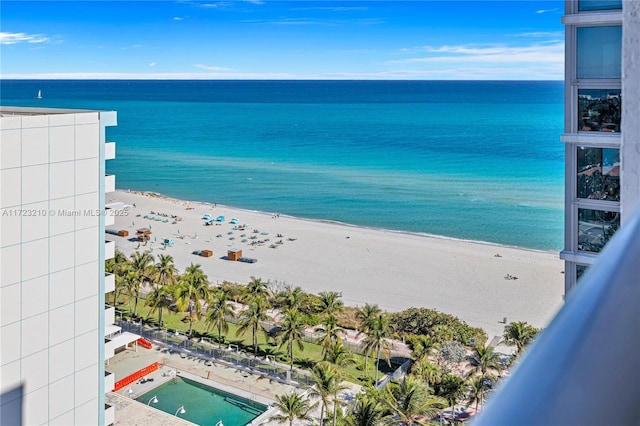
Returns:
(263, 39)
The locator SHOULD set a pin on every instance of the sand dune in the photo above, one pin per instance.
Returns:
(474, 281)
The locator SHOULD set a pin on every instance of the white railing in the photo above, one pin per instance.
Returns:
(583, 369)
(109, 283)
(109, 250)
(109, 150)
(109, 183)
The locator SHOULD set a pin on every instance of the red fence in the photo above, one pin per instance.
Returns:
(135, 376)
(144, 343)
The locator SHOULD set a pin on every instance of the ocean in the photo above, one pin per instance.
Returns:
(473, 160)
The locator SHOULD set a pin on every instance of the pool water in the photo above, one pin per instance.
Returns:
(203, 405)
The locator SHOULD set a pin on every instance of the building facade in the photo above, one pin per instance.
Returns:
(598, 166)
(52, 266)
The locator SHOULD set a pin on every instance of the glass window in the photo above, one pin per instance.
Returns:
(598, 173)
(595, 228)
(599, 52)
(599, 110)
(580, 270)
(584, 5)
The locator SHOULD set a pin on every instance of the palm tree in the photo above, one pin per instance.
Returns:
(161, 297)
(166, 272)
(251, 319)
(484, 360)
(292, 331)
(367, 412)
(326, 379)
(452, 388)
(331, 331)
(410, 402)
(338, 355)
(219, 309)
(292, 406)
(330, 302)
(117, 266)
(422, 346)
(256, 289)
(291, 297)
(519, 334)
(377, 339)
(477, 389)
(365, 316)
(142, 266)
(131, 286)
(428, 371)
(191, 291)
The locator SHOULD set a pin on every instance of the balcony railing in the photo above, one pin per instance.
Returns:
(109, 183)
(109, 381)
(109, 282)
(109, 150)
(583, 369)
(109, 250)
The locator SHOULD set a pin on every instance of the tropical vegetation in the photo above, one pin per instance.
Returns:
(452, 364)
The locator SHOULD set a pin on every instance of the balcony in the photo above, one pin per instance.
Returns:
(109, 349)
(109, 150)
(109, 250)
(109, 414)
(109, 315)
(582, 370)
(109, 381)
(109, 218)
(109, 283)
(109, 183)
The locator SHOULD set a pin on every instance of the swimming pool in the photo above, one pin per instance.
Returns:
(202, 404)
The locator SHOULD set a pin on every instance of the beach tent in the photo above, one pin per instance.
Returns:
(234, 221)
(220, 219)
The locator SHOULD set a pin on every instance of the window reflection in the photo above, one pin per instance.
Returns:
(598, 173)
(580, 270)
(599, 52)
(584, 5)
(595, 229)
(599, 110)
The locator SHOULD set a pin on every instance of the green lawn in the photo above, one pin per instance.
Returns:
(312, 353)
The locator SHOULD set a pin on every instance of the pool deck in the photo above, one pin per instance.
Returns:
(128, 411)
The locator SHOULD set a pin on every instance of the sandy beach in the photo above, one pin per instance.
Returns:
(478, 282)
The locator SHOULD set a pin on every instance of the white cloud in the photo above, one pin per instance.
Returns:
(133, 46)
(211, 68)
(527, 72)
(546, 10)
(152, 64)
(15, 38)
(546, 53)
(178, 18)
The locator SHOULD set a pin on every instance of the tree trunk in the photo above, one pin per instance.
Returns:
(377, 363)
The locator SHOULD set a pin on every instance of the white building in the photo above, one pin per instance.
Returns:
(602, 126)
(52, 272)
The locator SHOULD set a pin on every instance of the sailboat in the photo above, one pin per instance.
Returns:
(39, 94)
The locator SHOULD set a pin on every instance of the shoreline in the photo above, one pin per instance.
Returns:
(167, 198)
(481, 283)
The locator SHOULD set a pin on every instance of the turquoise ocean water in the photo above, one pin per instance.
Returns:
(476, 160)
